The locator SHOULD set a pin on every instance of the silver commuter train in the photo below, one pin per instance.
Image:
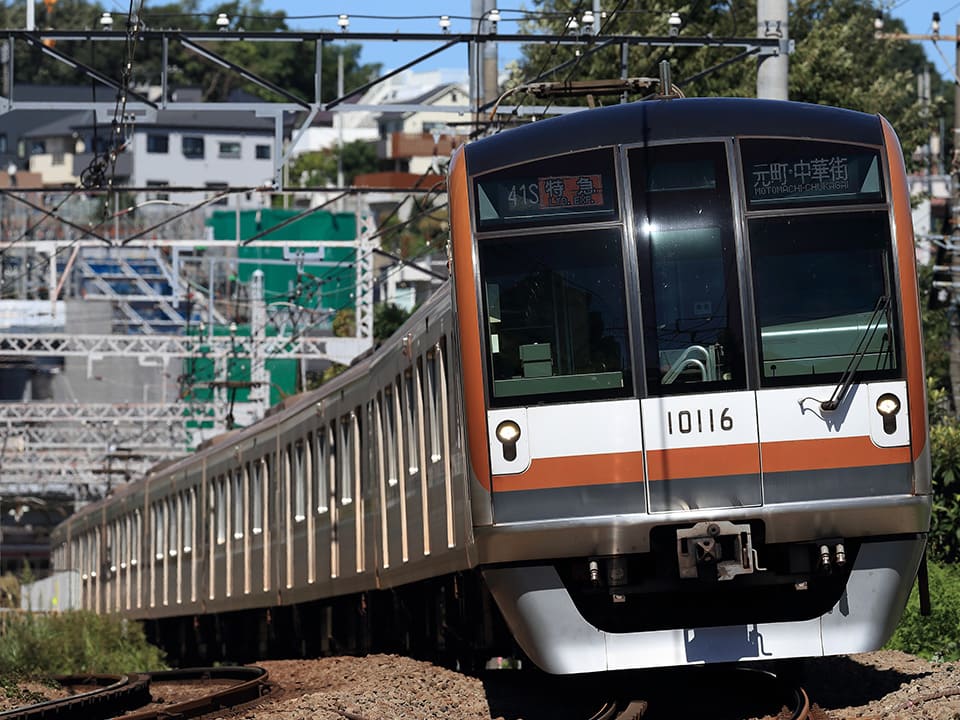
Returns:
(670, 410)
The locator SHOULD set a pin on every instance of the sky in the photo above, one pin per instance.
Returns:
(390, 16)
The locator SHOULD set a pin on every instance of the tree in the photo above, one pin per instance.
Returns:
(289, 65)
(318, 168)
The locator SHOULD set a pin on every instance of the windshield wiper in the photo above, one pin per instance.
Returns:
(846, 380)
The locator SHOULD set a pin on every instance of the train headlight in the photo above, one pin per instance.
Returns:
(888, 405)
(508, 432)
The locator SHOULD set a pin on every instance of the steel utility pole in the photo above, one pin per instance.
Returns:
(772, 70)
(955, 235)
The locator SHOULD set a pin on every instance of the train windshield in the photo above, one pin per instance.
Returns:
(818, 280)
(688, 268)
(556, 316)
(822, 276)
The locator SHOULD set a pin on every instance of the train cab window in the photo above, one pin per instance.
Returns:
(556, 317)
(688, 268)
(813, 313)
(822, 261)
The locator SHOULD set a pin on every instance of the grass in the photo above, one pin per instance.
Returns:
(39, 645)
(936, 637)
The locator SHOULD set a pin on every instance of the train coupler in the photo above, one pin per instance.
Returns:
(716, 550)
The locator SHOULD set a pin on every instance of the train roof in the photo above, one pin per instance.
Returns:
(654, 120)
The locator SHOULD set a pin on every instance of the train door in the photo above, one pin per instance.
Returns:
(699, 420)
(828, 338)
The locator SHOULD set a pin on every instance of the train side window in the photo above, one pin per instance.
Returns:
(173, 525)
(187, 539)
(96, 552)
(346, 449)
(433, 403)
(255, 469)
(332, 443)
(135, 540)
(220, 506)
(123, 526)
(109, 558)
(693, 338)
(411, 429)
(299, 483)
(389, 420)
(158, 530)
(238, 504)
(322, 473)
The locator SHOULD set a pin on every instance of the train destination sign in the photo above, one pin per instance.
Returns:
(560, 190)
(791, 173)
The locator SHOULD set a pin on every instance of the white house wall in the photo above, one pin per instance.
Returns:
(174, 168)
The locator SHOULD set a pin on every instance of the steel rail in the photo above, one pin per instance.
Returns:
(122, 693)
(253, 685)
(116, 694)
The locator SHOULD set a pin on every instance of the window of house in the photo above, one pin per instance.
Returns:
(192, 147)
(161, 144)
(158, 184)
(3, 143)
(230, 150)
(263, 152)
(38, 147)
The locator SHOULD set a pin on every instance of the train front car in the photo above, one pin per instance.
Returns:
(693, 381)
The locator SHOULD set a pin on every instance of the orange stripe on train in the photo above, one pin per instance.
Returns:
(825, 454)
(710, 461)
(557, 472)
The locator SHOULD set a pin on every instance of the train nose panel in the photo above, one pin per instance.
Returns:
(702, 451)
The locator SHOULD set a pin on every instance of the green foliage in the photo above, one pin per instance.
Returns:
(313, 169)
(387, 318)
(936, 637)
(319, 168)
(936, 334)
(945, 460)
(289, 65)
(43, 644)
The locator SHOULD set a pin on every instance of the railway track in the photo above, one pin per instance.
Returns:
(129, 696)
(715, 694)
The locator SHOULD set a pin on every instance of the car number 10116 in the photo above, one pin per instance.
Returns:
(699, 421)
